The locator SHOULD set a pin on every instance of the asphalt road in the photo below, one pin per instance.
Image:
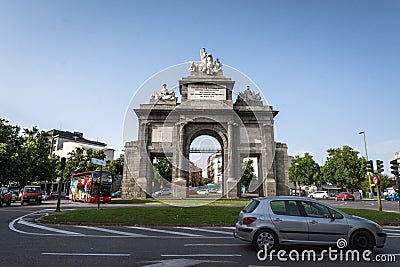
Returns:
(26, 242)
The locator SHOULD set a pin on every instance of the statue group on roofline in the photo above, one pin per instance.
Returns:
(164, 95)
(207, 65)
(249, 98)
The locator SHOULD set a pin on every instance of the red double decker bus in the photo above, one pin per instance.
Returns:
(85, 186)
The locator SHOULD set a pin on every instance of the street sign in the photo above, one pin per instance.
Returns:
(98, 162)
(375, 180)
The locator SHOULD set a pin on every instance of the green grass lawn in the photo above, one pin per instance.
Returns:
(152, 215)
(381, 217)
(210, 215)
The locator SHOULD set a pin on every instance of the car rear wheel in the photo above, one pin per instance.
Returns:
(362, 240)
(265, 237)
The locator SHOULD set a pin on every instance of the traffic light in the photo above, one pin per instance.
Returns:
(394, 165)
(379, 166)
(370, 166)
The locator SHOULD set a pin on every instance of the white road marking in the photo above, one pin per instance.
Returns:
(163, 231)
(110, 231)
(23, 222)
(86, 254)
(206, 230)
(215, 245)
(178, 263)
(201, 255)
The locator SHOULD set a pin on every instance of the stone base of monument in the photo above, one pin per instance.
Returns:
(179, 189)
(231, 188)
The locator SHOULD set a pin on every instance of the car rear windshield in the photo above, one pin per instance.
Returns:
(32, 189)
(251, 206)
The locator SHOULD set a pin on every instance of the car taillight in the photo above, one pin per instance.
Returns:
(249, 220)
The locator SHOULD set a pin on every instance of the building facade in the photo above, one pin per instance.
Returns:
(64, 142)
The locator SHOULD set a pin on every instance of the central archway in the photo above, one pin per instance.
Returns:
(205, 167)
(217, 134)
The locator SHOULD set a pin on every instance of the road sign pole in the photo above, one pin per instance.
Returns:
(63, 160)
(101, 170)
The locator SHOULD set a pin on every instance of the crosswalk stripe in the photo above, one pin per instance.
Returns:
(34, 225)
(110, 231)
(162, 231)
(205, 230)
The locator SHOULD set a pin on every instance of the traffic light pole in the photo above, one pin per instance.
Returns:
(395, 170)
(368, 174)
(398, 189)
(379, 197)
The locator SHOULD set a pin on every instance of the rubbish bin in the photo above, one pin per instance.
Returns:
(366, 195)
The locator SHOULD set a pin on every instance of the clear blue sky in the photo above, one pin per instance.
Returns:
(332, 68)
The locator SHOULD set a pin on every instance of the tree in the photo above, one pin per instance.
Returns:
(115, 166)
(247, 172)
(34, 162)
(163, 167)
(10, 141)
(305, 171)
(344, 168)
(204, 181)
(80, 161)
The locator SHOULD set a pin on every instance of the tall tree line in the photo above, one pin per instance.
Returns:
(25, 157)
(343, 168)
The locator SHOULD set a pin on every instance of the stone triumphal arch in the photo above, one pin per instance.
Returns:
(243, 129)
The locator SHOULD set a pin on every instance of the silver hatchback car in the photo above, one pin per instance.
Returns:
(268, 221)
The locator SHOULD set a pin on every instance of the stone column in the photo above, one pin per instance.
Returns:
(179, 181)
(268, 155)
(232, 180)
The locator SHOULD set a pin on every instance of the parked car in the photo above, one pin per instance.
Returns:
(392, 197)
(5, 196)
(163, 192)
(202, 191)
(344, 196)
(192, 191)
(14, 193)
(302, 193)
(270, 221)
(45, 196)
(116, 194)
(319, 194)
(30, 194)
(53, 194)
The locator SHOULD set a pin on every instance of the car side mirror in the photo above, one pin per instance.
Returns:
(333, 217)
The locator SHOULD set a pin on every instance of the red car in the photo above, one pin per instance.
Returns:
(31, 193)
(345, 196)
(5, 196)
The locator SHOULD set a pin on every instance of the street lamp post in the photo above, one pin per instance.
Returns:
(366, 156)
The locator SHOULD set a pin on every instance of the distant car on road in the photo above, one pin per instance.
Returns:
(392, 197)
(202, 191)
(319, 194)
(53, 194)
(344, 196)
(269, 221)
(116, 194)
(30, 194)
(14, 192)
(192, 191)
(45, 196)
(5, 196)
(163, 192)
